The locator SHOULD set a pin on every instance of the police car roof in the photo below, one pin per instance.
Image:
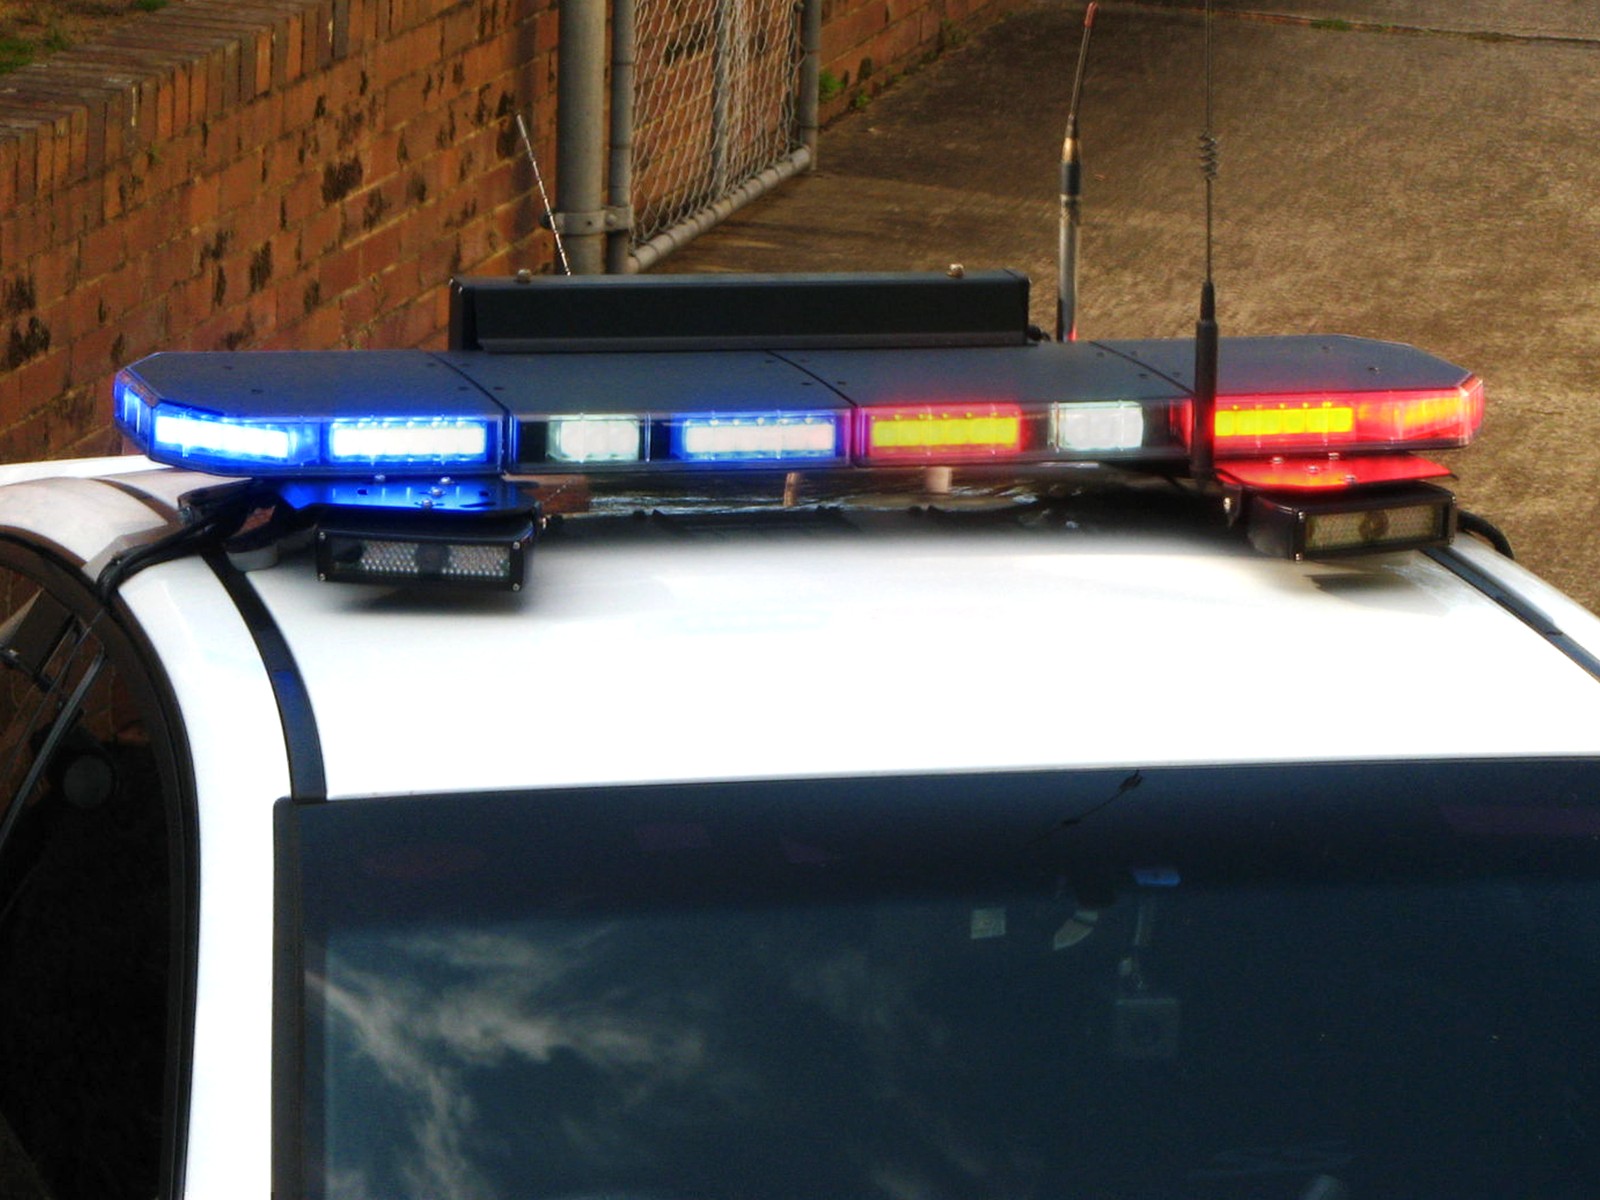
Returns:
(892, 644)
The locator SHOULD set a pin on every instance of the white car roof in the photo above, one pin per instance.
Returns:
(637, 657)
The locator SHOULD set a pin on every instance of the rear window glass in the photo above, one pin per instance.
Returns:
(1276, 982)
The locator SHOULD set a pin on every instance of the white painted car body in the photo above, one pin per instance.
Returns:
(905, 648)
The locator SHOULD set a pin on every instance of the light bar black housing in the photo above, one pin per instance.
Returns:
(732, 312)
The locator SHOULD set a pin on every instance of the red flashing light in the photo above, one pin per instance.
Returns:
(1349, 420)
(941, 432)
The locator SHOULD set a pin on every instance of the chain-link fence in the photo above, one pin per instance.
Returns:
(716, 91)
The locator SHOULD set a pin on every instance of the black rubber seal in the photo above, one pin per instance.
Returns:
(1525, 611)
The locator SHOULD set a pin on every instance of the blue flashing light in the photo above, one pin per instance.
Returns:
(286, 436)
(182, 435)
(757, 438)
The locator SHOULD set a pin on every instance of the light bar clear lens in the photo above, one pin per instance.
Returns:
(187, 433)
(405, 441)
(1098, 426)
(759, 438)
(941, 432)
(594, 439)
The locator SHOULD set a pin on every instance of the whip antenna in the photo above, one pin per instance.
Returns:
(1071, 195)
(550, 216)
(1203, 435)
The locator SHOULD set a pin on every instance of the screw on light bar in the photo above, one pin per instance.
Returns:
(760, 438)
(1097, 426)
(582, 439)
(940, 432)
(1349, 420)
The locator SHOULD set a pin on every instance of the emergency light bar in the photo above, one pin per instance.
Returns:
(430, 439)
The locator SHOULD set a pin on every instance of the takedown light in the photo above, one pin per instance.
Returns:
(1331, 526)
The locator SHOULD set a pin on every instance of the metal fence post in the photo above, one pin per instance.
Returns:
(580, 133)
(619, 183)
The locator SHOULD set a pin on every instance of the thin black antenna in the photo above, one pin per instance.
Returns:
(1202, 439)
(538, 178)
(1071, 195)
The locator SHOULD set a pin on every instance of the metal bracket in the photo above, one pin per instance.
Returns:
(611, 219)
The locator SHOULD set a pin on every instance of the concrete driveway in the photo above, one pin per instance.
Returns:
(1426, 171)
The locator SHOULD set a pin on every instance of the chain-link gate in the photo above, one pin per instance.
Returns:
(717, 89)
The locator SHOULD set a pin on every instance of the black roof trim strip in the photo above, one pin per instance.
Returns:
(1525, 611)
(308, 783)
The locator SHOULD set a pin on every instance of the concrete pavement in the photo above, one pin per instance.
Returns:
(1426, 171)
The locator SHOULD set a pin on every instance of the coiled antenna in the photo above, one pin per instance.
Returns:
(1071, 199)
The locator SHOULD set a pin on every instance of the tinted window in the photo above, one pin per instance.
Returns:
(1284, 982)
(87, 912)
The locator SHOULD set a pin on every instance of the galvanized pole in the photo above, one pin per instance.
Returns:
(580, 133)
(620, 180)
(810, 75)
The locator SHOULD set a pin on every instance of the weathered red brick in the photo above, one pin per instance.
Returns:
(182, 258)
(321, 232)
(118, 293)
(458, 29)
(197, 200)
(87, 308)
(339, 272)
(323, 329)
(10, 152)
(91, 353)
(102, 250)
(319, 36)
(438, 261)
(144, 330)
(192, 301)
(240, 181)
(261, 122)
(358, 307)
(378, 251)
(37, 382)
(148, 226)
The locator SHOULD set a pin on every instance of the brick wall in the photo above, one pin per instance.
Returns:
(268, 174)
(261, 174)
